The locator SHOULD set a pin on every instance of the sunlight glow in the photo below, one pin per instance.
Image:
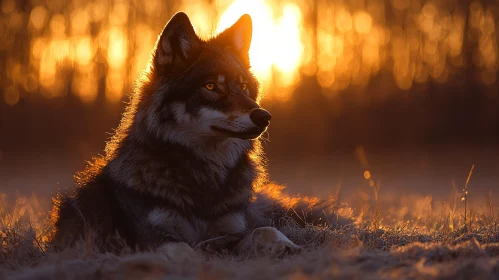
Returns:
(117, 48)
(276, 42)
(84, 52)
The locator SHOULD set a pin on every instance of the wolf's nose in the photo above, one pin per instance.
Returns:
(260, 117)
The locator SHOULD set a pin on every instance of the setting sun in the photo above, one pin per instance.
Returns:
(276, 43)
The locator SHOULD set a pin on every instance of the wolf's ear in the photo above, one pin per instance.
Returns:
(238, 36)
(178, 44)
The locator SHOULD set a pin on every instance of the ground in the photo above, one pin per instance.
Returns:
(413, 243)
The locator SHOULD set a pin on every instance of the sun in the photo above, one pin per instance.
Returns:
(276, 43)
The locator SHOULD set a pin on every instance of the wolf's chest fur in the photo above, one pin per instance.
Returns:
(205, 182)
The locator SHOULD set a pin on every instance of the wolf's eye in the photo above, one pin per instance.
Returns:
(210, 86)
(243, 86)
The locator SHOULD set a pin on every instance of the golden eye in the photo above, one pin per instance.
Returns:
(243, 86)
(209, 86)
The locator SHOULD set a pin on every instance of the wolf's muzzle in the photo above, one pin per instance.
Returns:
(260, 117)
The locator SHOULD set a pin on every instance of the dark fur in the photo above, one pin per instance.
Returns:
(145, 170)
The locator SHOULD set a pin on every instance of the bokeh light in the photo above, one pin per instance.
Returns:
(342, 44)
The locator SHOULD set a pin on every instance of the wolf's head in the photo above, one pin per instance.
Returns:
(202, 90)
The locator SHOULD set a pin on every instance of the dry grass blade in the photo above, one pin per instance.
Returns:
(466, 200)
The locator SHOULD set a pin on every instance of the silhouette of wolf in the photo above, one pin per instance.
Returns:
(185, 164)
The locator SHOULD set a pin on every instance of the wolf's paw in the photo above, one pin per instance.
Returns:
(268, 241)
(179, 251)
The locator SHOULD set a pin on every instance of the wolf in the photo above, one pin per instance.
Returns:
(185, 167)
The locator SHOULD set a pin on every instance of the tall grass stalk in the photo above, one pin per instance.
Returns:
(466, 199)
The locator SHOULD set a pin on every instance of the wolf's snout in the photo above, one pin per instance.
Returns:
(260, 117)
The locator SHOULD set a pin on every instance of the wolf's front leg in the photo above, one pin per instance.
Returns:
(267, 241)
